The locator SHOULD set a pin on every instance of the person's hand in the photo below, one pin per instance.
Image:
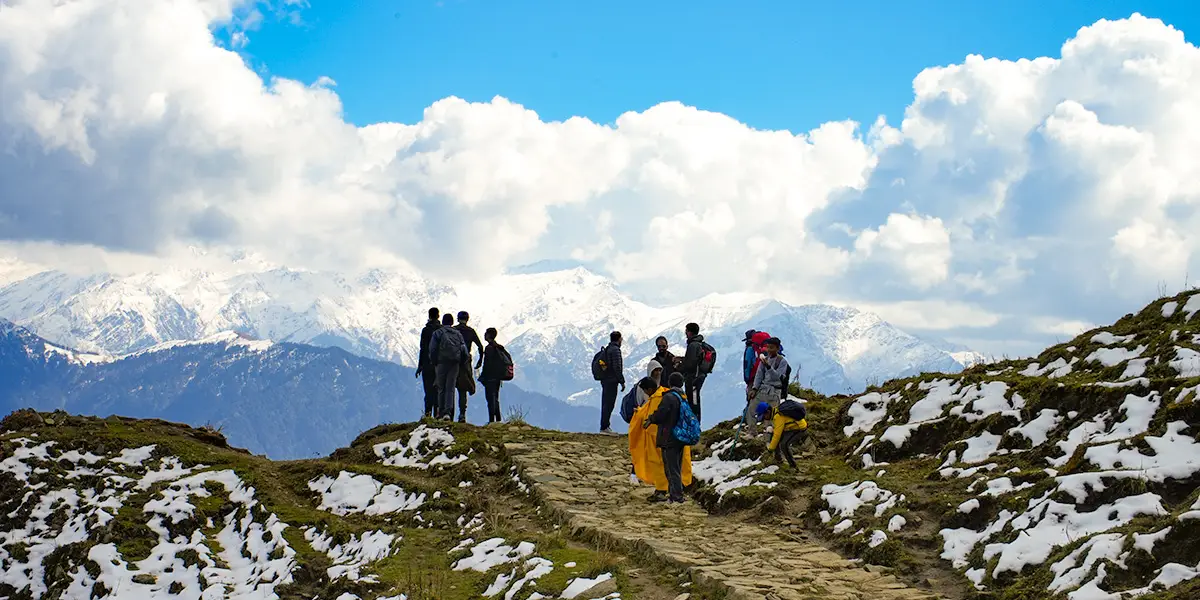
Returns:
(645, 423)
(417, 375)
(622, 387)
(752, 393)
(479, 364)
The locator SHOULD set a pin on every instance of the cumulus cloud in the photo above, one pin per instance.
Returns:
(1058, 189)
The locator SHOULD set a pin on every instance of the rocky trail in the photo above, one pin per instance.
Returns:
(588, 483)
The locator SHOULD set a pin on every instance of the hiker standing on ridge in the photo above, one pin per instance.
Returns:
(665, 416)
(770, 382)
(611, 374)
(668, 361)
(466, 377)
(749, 358)
(696, 365)
(425, 368)
(448, 352)
(494, 372)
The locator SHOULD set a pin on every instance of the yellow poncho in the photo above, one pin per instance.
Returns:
(643, 447)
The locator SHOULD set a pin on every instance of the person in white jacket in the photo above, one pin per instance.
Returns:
(770, 383)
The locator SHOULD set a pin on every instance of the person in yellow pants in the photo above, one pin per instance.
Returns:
(643, 446)
(787, 431)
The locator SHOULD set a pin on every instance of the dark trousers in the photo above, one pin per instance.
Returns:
(608, 401)
(462, 406)
(447, 376)
(784, 449)
(691, 389)
(672, 458)
(491, 391)
(429, 380)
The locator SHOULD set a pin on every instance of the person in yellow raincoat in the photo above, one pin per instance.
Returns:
(643, 445)
(787, 431)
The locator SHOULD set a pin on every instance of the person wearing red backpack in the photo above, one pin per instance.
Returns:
(770, 382)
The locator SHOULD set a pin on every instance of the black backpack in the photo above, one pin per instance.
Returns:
(599, 365)
(793, 409)
(507, 361)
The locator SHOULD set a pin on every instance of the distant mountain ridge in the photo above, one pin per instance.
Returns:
(284, 400)
(551, 320)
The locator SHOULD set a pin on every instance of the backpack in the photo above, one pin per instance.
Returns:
(451, 348)
(599, 365)
(507, 361)
(687, 428)
(708, 358)
(629, 404)
(793, 409)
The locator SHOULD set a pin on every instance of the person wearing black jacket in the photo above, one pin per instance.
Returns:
(666, 417)
(693, 379)
(614, 376)
(665, 358)
(466, 383)
(425, 369)
(492, 375)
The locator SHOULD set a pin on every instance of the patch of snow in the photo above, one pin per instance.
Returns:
(1038, 430)
(746, 481)
(1071, 573)
(580, 585)
(1186, 361)
(980, 447)
(1111, 357)
(492, 553)
(877, 537)
(418, 451)
(1168, 309)
(896, 523)
(867, 411)
(1192, 306)
(969, 506)
(1146, 541)
(1105, 338)
(713, 469)
(845, 500)
(351, 557)
(354, 493)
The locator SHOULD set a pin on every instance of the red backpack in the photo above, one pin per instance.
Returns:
(758, 341)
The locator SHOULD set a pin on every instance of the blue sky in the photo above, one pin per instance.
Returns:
(772, 65)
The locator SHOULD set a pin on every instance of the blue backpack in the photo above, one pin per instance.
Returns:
(629, 404)
(687, 428)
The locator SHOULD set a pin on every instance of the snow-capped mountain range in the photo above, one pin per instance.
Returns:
(285, 400)
(552, 322)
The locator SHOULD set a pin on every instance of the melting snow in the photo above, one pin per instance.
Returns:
(581, 585)
(418, 451)
(1111, 357)
(1107, 339)
(1168, 309)
(354, 555)
(1186, 361)
(867, 411)
(354, 493)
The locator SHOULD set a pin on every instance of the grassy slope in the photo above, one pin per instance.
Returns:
(932, 501)
(421, 566)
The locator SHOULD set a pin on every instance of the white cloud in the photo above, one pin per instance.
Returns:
(1060, 189)
(918, 246)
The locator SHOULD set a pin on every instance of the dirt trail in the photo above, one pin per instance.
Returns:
(589, 481)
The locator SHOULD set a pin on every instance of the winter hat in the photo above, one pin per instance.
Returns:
(749, 334)
(654, 364)
(762, 408)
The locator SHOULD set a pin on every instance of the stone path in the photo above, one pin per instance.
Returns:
(589, 482)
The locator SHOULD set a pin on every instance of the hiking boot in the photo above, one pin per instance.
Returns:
(657, 497)
(462, 419)
(676, 502)
(608, 431)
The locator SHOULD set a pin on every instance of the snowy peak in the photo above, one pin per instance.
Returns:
(553, 320)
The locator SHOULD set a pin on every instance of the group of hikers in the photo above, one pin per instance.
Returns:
(663, 409)
(444, 366)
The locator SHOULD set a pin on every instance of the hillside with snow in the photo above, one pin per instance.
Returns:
(1074, 474)
(284, 400)
(125, 509)
(552, 322)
